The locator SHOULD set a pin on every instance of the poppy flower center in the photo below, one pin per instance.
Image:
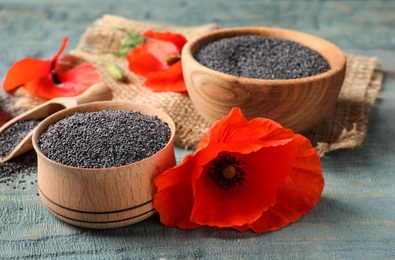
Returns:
(226, 171)
(229, 172)
(170, 60)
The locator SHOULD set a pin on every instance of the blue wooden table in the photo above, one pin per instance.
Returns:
(355, 218)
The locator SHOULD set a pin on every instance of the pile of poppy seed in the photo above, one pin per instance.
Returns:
(14, 134)
(104, 139)
(14, 171)
(261, 57)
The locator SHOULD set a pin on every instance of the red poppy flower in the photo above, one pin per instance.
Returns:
(158, 60)
(51, 78)
(245, 175)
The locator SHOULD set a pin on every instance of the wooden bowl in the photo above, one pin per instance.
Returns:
(298, 104)
(102, 197)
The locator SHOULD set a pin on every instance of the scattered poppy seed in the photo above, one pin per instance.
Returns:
(261, 57)
(24, 164)
(104, 139)
(15, 133)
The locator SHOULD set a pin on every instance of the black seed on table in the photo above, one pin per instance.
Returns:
(104, 139)
(261, 57)
(23, 164)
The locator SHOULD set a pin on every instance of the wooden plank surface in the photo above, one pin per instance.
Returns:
(355, 218)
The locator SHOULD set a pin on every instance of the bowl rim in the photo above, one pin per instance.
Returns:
(194, 44)
(99, 106)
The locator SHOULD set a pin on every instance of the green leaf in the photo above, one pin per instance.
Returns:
(130, 41)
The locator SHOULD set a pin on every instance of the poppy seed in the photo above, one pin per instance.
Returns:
(24, 164)
(104, 139)
(14, 134)
(261, 57)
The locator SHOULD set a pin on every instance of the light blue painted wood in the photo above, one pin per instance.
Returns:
(355, 218)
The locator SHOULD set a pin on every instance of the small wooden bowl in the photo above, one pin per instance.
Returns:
(102, 197)
(298, 104)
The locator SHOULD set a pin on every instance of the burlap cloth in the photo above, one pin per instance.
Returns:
(345, 126)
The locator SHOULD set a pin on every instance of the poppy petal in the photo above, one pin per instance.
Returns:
(174, 198)
(142, 62)
(220, 127)
(26, 70)
(173, 84)
(149, 59)
(171, 72)
(78, 79)
(61, 50)
(176, 39)
(297, 195)
(160, 49)
(265, 169)
(170, 79)
(235, 128)
(74, 82)
(207, 154)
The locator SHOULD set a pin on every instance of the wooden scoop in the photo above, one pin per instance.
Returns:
(97, 92)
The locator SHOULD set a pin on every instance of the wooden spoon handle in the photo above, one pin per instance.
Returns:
(97, 92)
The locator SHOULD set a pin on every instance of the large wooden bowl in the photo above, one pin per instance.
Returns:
(102, 197)
(298, 104)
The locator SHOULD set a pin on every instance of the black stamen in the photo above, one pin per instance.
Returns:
(56, 79)
(219, 167)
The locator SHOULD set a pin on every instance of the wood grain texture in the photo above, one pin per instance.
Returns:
(102, 197)
(298, 104)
